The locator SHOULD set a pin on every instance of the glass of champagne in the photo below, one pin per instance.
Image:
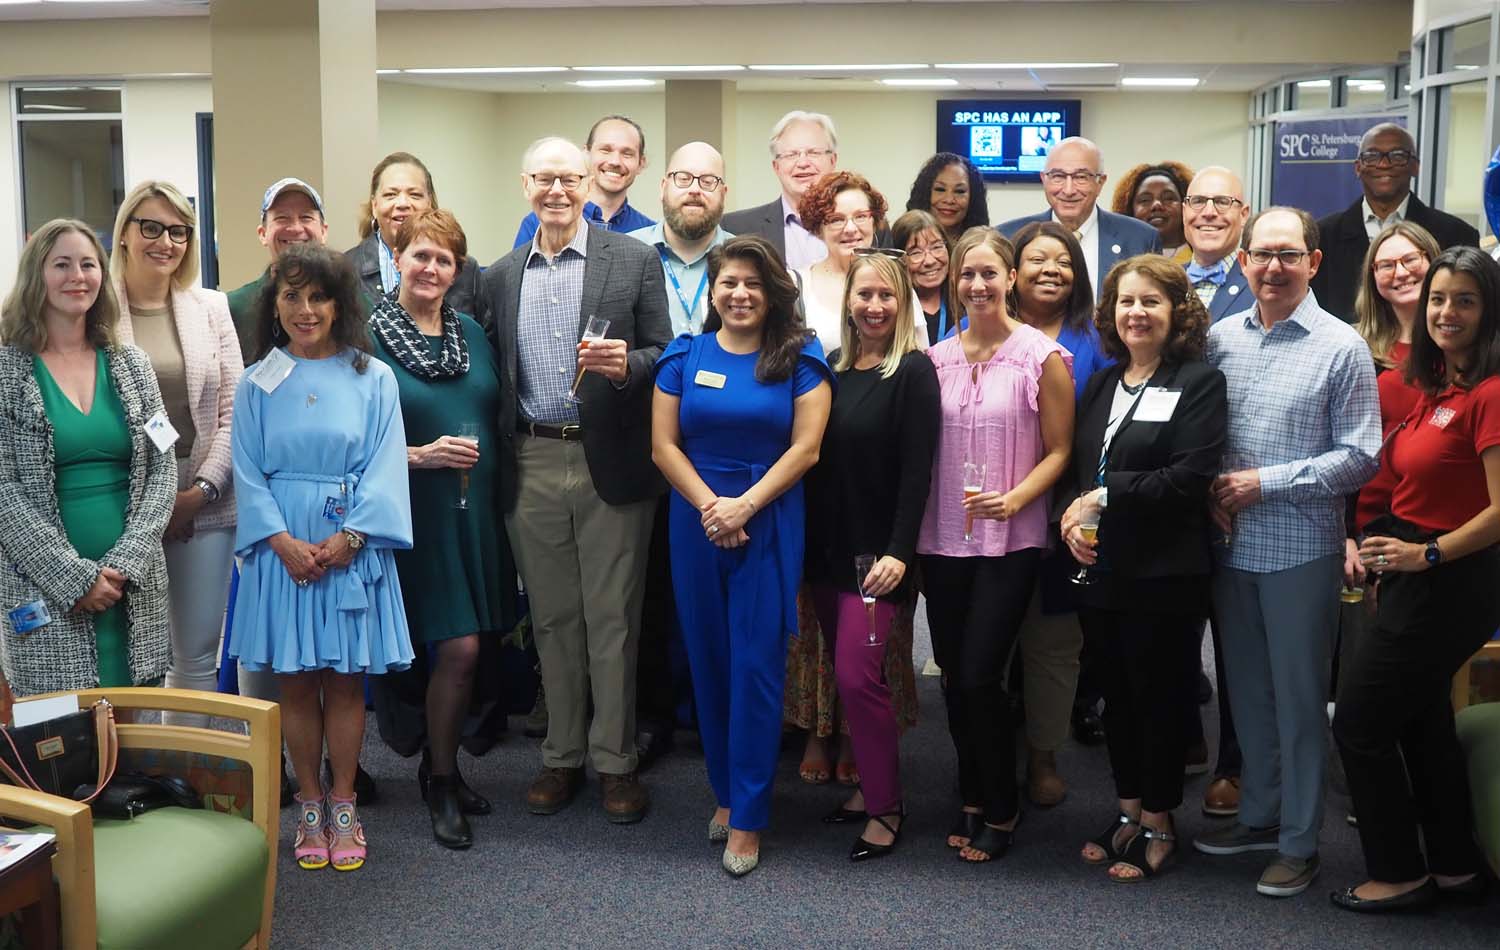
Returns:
(973, 485)
(863, 565)
(1232, 462)
(1088, 526)
(467, 432)
(593, 330)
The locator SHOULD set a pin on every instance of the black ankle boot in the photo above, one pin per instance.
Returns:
(470, 802)
(449, 826)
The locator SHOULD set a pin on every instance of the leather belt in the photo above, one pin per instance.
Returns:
(569, 432)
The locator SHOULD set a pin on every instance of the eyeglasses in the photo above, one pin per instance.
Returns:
(894, 253)
(151, 230)
(684, 180)
(1260, 257)
(545, 181)
(798, 154)
(1396, 157)
(1409, 263)
(837, 221)
(938, 251)
(1146, 201)
(1057, 177)
(1222, 202)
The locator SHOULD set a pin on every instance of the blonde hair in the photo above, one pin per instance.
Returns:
(980, 236)
(23, 316)
(1375, 319)
(187, 268)
(903, 339)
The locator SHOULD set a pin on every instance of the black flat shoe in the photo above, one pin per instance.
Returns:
(1473, 891)
(992, 842)
(1088, 728)
(470, 802)
(652, 741)
(449, 826)
(844, 816)
(1418, 899)
(967, 825)
(865, 851)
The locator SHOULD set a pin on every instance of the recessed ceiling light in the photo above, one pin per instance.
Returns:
(1026, 65)
(837, 67)
(484, 70)
(659, 69)
(935, 81)
(1161, 81)
(613, 83)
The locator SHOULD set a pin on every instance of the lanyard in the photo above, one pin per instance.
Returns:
(942, 320)
(677, 285)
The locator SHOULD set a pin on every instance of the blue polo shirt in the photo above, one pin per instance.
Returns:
(687, 281)
(627, 219)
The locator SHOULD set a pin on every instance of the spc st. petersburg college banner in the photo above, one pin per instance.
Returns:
(1313, 162)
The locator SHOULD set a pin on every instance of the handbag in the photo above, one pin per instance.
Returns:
(63, 756)
(132, 793)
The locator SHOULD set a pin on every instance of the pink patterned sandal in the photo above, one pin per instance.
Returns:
(313, 836)
(345, 828)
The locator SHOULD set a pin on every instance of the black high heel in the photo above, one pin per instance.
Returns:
(844, 816)
(967, 825)
(992, 842)
(449, 826)
(866, 850)
(470, 802)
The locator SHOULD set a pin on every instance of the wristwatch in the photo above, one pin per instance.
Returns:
(209, 489)
(355, 539)
(1434, 554)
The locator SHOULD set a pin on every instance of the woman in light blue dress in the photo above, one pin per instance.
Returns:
(320, 474)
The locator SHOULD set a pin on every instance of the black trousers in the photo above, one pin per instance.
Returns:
(657, 685)
(1150, 686)
(974, 607)
(1394, 719)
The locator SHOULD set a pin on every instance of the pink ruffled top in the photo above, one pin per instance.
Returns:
(990, 415)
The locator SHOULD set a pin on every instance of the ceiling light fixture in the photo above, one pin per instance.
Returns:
(613, 83)
(1313, 84)
(1162, 82)
(659, 69)
(483, 70)
(836, 67)
(1000, 66)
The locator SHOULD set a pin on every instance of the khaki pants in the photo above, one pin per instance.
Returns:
(584, 564)
(1049, 646)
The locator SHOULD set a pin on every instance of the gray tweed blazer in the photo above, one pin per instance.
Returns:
(38, 561)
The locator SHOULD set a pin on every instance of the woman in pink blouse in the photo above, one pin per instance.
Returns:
(1007, 401)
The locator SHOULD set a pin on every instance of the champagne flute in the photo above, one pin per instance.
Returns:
(1088, 526)
(973, 485)
(863, 565)
(1232, 462)
(593, 330)
(467, 432)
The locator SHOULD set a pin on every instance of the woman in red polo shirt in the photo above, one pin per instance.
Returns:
(1437, 557)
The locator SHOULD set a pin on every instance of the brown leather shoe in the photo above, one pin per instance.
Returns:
(1222, 798)
(625, 798)
(552, 790)
(1043, 785)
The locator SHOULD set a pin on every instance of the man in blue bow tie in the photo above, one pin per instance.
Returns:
(1213, 218)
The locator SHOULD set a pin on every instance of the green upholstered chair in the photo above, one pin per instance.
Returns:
(173, 877)
(1479, 734)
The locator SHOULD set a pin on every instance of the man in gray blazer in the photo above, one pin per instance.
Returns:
(1214, 213)
(577, 484)
(1073, 180)
(804, 148)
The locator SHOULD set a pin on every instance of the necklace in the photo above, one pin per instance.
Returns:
(1133, 390)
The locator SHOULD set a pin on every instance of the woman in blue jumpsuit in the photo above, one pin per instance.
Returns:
(737, 420)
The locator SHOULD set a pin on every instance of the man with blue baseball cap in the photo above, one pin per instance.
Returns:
(290, 213)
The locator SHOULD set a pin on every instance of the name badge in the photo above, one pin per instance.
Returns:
(1157, 404)
(333, 508)
(29, 617)
(161, 432)
(712, 380)
(1441, 416)
(272, 371)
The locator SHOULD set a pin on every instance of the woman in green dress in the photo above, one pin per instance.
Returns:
(87, 479)
(458, 578)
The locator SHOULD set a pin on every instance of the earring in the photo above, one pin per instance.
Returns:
(276, 330)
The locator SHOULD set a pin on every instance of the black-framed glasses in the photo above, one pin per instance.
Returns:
(1081, 178)
(1396, 157)
(894, 253)
(684, 180)
(1222, 202)
(152, 229)
(1289, 258)
(1409, 263)
(545, 181)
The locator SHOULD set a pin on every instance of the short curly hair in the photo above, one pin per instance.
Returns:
(1123, 201)
(1188, 335)
(817, 203)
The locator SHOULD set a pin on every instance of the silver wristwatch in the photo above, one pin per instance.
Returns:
(209, 489)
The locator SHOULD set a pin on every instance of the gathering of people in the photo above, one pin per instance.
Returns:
(1086, 438)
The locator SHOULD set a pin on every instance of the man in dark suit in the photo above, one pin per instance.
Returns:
(1214, 213)
(577, 484)
(1386, 164)
(1073, 180)
(804, 148)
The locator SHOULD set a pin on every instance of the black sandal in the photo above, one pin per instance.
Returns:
(1105, 841)
(966, 826)
(865, 850)
(1134, 855)
(992, 842)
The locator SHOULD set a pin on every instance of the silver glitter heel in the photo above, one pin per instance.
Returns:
(717, 832)
(740, 864)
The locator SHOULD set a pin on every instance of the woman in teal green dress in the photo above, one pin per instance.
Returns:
(458, 578)
(87, 479)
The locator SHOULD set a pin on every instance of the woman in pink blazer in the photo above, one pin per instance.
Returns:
(189, 336)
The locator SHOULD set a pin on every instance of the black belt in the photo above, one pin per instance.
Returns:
(569, 432)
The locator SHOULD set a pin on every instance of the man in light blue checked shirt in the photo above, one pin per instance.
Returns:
(1304, 432)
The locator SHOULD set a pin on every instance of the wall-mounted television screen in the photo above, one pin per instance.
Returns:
(1008, 139)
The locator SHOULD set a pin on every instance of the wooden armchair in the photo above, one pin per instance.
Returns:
(213, 858)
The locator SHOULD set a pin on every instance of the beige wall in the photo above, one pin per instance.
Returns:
(161, 133)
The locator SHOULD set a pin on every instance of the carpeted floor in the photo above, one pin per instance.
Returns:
(573, 879)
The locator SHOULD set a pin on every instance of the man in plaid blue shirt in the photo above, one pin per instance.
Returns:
(1304, 432)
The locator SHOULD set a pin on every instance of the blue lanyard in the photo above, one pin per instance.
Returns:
(942, 319)
(677, 285)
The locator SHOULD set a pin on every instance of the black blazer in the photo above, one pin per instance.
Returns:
(1342, 237)
(466, 295)
(622, 283)
(1158, 475)
(765, 220)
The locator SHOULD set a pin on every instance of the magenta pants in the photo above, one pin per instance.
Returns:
(859, 672)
